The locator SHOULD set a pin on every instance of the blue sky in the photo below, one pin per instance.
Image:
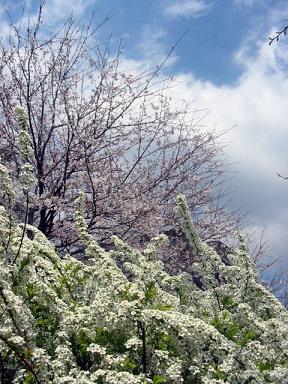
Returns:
(215, 30)
(208, 45)
(223, 63)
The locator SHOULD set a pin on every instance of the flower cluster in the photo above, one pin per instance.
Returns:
(121, 318)
(6, 186)
(27, 169)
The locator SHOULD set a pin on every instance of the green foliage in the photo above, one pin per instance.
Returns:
(265, 366)
(113, 340)
(29, 379)
(129, 364)
(79, 344)
(150, 292)
(220, 375)
(249, 335)
(159, 379)
(228, 303)
(230, 329)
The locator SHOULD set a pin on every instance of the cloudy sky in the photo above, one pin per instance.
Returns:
(222, 63)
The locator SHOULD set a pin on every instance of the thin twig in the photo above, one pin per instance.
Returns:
(278, 35)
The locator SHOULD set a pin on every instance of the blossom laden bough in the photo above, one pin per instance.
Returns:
(121, 318)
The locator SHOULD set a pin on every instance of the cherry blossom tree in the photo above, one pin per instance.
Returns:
(112, 133)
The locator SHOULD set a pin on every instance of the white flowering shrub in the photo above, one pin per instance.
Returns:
(120, 318)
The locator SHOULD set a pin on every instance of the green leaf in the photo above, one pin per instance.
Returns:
(24, 263)
(249, 335)
(159, 379)
(30, 291)
(228, 329)
(228, 302)
(128, 364)
(127, 295)
(114, 340)
(218, 374)
(150, 292)
(29, 379)
(265, 366)
(164, 307)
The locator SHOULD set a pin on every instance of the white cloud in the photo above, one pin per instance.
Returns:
(5, 7)
(153, 49)
(188, 8)
(257, 104)
(57, 10)
(54, 12)
(255, 108)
